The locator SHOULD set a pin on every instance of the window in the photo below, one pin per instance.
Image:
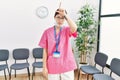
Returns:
(109, 34)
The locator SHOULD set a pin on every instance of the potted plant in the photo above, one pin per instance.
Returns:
(87, 28)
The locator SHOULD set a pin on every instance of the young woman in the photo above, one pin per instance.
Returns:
(58, 59)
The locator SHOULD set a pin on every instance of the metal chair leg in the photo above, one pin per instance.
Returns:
(78, 74)
(10, 74)
(5, 75)
(15, 73)
(8, 70)
(87, 76)
(33, 73)
(92, 77)
(28, 72)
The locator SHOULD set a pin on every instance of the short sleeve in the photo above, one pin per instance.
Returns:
(43, 41)
(70, 33)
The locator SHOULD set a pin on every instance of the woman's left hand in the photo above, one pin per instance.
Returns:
(62, 12)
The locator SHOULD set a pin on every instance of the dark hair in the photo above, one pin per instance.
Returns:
(56, 13)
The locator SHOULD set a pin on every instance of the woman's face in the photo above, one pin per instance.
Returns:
(59, 19)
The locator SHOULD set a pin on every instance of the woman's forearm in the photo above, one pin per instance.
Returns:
(71, 23)
(44, 57)
(45, 70)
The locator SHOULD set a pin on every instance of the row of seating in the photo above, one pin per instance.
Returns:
(101, 59)
(20, 54)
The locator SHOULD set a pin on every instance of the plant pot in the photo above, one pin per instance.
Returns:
(83, 58)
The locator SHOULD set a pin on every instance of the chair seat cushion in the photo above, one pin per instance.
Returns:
(19, 66)
(38, 64)
(90, 69)
(4, 66)
(102, 77)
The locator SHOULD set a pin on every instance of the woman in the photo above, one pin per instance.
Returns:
(58, 59)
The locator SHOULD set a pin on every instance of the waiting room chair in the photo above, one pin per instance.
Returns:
(115, 68)
(100, 59)
(4, 55)
(37, 54)
(20, 54)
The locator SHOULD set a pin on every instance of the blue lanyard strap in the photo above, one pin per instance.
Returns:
(57, 39)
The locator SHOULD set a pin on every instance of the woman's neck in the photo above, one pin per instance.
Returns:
(57, 27)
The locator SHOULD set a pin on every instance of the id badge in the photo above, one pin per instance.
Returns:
(56, 54)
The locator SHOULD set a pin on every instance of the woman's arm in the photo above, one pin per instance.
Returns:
(71, 23)
(44, 57)
(45, 70)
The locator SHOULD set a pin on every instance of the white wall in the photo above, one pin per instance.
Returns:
(21, 28)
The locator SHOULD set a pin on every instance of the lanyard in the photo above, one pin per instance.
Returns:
(57, 39)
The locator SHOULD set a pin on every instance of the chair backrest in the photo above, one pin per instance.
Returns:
(38, 52)
(21, 53)
(4, 55)
(115, 66)
(101, 59)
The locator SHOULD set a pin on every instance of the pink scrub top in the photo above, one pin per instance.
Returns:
(66, 61)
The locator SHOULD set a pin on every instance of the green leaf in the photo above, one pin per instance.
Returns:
(87, 27)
